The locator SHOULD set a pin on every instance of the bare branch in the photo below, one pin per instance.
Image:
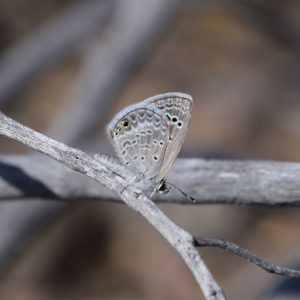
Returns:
(246, 254)
(208, 181)
(83, 163)
(52, 40)
(239, 182)
(19, 180)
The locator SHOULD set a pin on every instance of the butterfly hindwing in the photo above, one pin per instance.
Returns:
(140, 138)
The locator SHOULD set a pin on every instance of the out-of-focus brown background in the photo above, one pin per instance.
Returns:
(240, 60)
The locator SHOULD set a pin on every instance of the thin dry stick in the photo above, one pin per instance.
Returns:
(246, 254)
(81, 162)
(265, 183)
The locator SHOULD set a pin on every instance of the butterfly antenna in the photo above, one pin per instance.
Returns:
(182, 192)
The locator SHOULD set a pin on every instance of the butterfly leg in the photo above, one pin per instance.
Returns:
(152, 194)
(131, 182)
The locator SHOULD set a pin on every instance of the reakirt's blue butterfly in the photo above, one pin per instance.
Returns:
(148, 135)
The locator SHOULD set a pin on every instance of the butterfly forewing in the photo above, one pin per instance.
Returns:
(142, 143)
(175, 108)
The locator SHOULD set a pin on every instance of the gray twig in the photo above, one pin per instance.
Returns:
(83, 163)
(246, 254)
(239, 182)
(208, 181)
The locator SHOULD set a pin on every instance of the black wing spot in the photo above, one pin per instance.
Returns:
(174, 119)
(168, 117)
(125, 123)
(179, 124)
(155, 157)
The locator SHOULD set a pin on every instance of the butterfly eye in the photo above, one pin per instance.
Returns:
(125, 123)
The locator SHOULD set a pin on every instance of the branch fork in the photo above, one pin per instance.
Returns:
(97, 169)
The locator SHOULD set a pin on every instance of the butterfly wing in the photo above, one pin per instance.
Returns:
(140, 137)
(175, 109)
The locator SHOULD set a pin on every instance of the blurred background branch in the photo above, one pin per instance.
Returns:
(265, 183)
(50, 43)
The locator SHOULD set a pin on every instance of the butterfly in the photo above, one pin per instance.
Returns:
(148, 135)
